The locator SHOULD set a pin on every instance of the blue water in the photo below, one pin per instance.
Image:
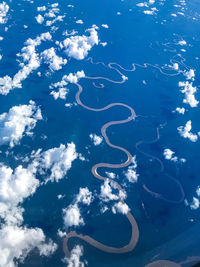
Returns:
(133, 37)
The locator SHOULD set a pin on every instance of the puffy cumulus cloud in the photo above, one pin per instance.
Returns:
(17, 242)
(72, 216)
(61, 93)
(180, 110)
(60, 196)
(104, 44)
(16, 185)
(30, 62)
(142, 4)
(105, 26)
(61, 86)
(152, 11)
(131, 173)
(61, 234)
(189, 74)
(195, 203)
(185, 131)
(74, 259)
(51, 22)
(189, 90)
(3, 12)
(74, 77)
(41, 8)
(175, 66)
(78, 46)
(39, 18)
(120, 207)
(52, 11)
(198, 191)
(84, 196)
(18, 121)
(111, 175)
(107, 194)
(182, 42)
(58, 160)
(51, 15)
(55, 63)
(46, 249)
(169, 155)
(79, 21)
(97, 140)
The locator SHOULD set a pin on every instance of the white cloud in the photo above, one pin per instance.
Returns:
(60, 196)
(30, 62)
(55, 63)
(84, 196)
(61, 93)
(75, 255)
(180, 110)
(185, 131)
(107, 194)
(182, 42)
(168, 154)
(78, 46)
(79, 21)
(3, 12)
(189, 74)
(17, 242)
(16, 185)
(55, 5)
(142, 4)
(111, 175)
(72, 216)
(47, 249)
(189, 90)
(97, 140)
(61, 234)
(175, 66)
(18, 121)
(41, 8)
(51, 22)
(120, 207)
(195, 203)
(74, 78)
(58, 160)
(149, 12)
(105, 26)
(131, 173)
(39, 18)
(198, 191)
(103, 43)
(61, 86)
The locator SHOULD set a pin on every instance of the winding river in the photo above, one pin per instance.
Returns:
(134, 227)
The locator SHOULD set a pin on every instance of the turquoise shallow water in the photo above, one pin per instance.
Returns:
(167, 231)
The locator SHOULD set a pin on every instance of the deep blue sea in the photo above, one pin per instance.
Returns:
(164, 45)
